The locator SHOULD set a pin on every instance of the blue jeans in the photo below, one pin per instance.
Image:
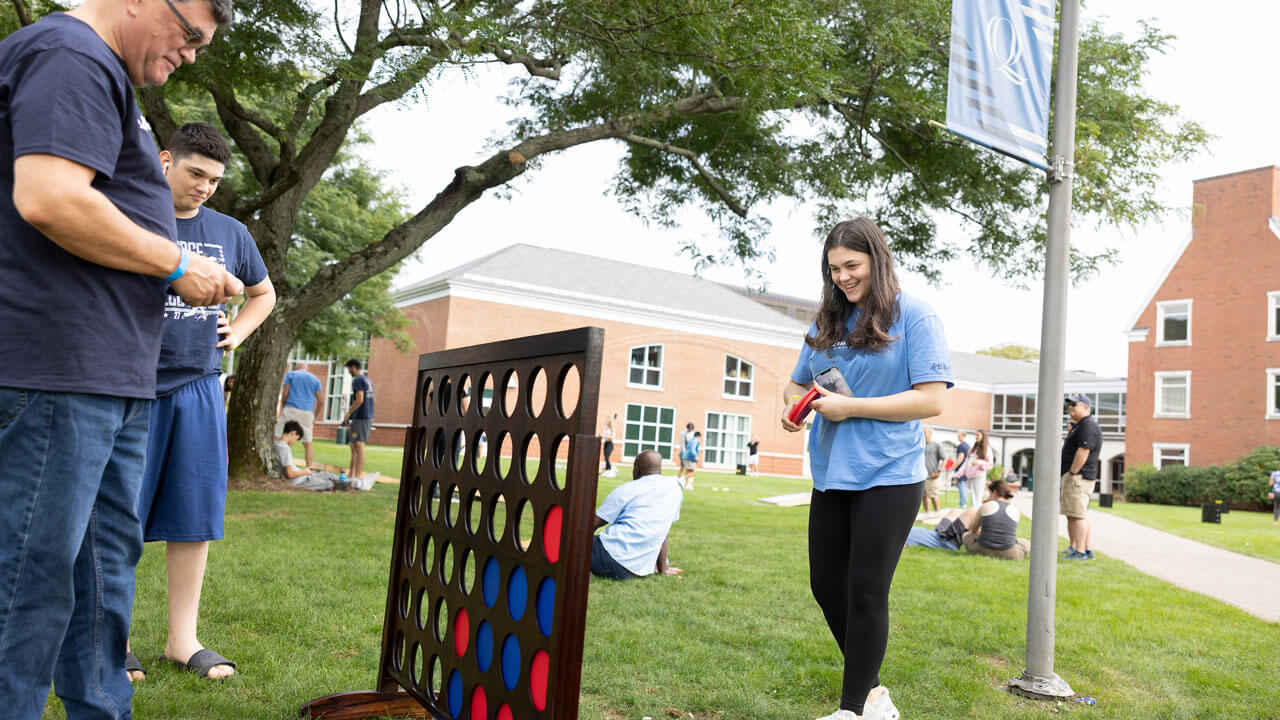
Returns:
(603, 564)
(69, 544)
(962, 485)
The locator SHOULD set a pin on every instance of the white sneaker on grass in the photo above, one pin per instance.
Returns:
(366, 482)
(881, 708)
(840, 715)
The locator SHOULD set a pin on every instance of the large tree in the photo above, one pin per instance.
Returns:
(724, 105)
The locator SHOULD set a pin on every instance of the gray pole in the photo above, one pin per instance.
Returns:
(1038, 679)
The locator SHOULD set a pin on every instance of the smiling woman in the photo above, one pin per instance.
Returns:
(881, 364)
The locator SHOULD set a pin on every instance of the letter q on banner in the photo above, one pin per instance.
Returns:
(998, 88)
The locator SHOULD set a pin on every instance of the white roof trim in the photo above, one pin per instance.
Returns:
(1163, 276)
(1138, 335)
(479, 287)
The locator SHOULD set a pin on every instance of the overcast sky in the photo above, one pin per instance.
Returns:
(1217, 72)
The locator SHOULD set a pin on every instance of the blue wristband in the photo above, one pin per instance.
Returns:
(181, 270)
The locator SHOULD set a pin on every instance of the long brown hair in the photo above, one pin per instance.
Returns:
(879, 306)
(981, 448)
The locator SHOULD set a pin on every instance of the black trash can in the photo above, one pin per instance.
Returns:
(1105, 499)
(344, 435)
(1211, 512)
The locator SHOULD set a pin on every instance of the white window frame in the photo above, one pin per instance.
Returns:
(1161, 308)
(1273, 380)
(1273, 324)
(646, 368)
(726, 450)
(751, 383)
(664, 450)
(1157, 447)
(1161, 377)
(335, 403)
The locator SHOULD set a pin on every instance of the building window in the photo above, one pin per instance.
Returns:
(1013, 413)
(649, 427)
(646, 367)
(726, 439)
(1173, 322)
(335, 393)
(1273, 315)
(1173, 394)
(1273, 393)
(737, 377)
(1169, 454)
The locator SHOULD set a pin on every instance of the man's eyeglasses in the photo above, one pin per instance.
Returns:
(195, 38)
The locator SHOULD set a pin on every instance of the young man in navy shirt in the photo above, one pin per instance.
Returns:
(359, 416)
(87, 251)
(184, 488)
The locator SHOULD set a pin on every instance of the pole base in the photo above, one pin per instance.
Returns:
(1040, 688)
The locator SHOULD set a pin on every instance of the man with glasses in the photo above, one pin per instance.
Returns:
(87, 251)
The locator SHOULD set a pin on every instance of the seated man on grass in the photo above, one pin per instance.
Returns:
(990, 529)
(639, 515)
(309, 479)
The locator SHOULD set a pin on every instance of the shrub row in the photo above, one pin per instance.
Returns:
(1243, 483)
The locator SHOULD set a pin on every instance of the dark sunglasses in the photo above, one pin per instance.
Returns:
(195, 38)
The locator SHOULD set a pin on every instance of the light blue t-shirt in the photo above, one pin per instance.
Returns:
(691, 448)
(860, 453)
(1275, 482)
(303, 387)
(640, 514)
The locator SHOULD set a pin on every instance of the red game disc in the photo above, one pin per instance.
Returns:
(538, 670)
(551, 533)
(461, 632)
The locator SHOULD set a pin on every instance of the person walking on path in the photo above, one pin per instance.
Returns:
(607, 436)
(685, 435)
(300, 395)
(933, 459)
(87, 250)
(359, 416)
(1274, 496)
(1080, 453)
(689, 459)
(184, 488)
(866, 452)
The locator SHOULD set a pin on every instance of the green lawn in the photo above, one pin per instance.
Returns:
(1248, 533)
(296, 593)
(377, 458)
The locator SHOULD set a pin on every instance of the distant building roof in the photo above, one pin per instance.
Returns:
(591, 281)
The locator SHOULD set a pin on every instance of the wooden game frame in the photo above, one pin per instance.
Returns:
(430, 646)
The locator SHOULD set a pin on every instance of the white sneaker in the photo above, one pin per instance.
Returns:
(881, 708)
(840, 715)
(366, 482)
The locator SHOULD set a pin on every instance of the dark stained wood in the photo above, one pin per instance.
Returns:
(421, 636)
(363, 704)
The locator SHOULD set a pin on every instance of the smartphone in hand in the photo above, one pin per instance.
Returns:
(832, 380)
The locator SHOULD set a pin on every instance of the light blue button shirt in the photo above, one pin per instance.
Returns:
(640, 514)
(860, 453)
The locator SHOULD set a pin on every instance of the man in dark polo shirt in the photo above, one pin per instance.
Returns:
(1079, 472)
(87, 249)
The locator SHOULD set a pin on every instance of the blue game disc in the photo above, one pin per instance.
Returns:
(546, 605)
(517, 593)
(510, 663)
(484, 646)
(489, 583)
(455, 693)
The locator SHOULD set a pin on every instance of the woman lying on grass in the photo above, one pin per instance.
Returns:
(990, 529)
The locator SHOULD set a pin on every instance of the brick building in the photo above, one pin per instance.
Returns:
(1204, 353)
(677, 349)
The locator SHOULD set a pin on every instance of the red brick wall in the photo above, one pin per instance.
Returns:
(1231, 263)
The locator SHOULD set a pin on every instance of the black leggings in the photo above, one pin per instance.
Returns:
(1275, 507)
(855, 540)
(608, 450)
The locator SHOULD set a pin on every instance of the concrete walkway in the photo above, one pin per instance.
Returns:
(1251, 584)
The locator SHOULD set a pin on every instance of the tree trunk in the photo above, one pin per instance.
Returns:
(251, 419)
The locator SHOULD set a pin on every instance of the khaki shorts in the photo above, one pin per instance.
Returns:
(1018, 552)
(1074, 500)
(688, 464)
(304, 418)
(931, 487)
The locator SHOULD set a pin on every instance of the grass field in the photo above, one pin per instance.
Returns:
(1248, 533)
(296, 593)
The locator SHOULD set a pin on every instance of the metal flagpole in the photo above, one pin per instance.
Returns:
(1038, 679)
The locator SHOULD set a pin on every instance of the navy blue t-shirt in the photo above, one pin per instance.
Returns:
(362, 383)
(188, 351)
(70, 325)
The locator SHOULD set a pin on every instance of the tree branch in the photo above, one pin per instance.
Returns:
(24, 17)
(261, 159)
(716, 187)
(157, 113)
(540, 67)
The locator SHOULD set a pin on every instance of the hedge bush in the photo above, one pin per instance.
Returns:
(1242, 483)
